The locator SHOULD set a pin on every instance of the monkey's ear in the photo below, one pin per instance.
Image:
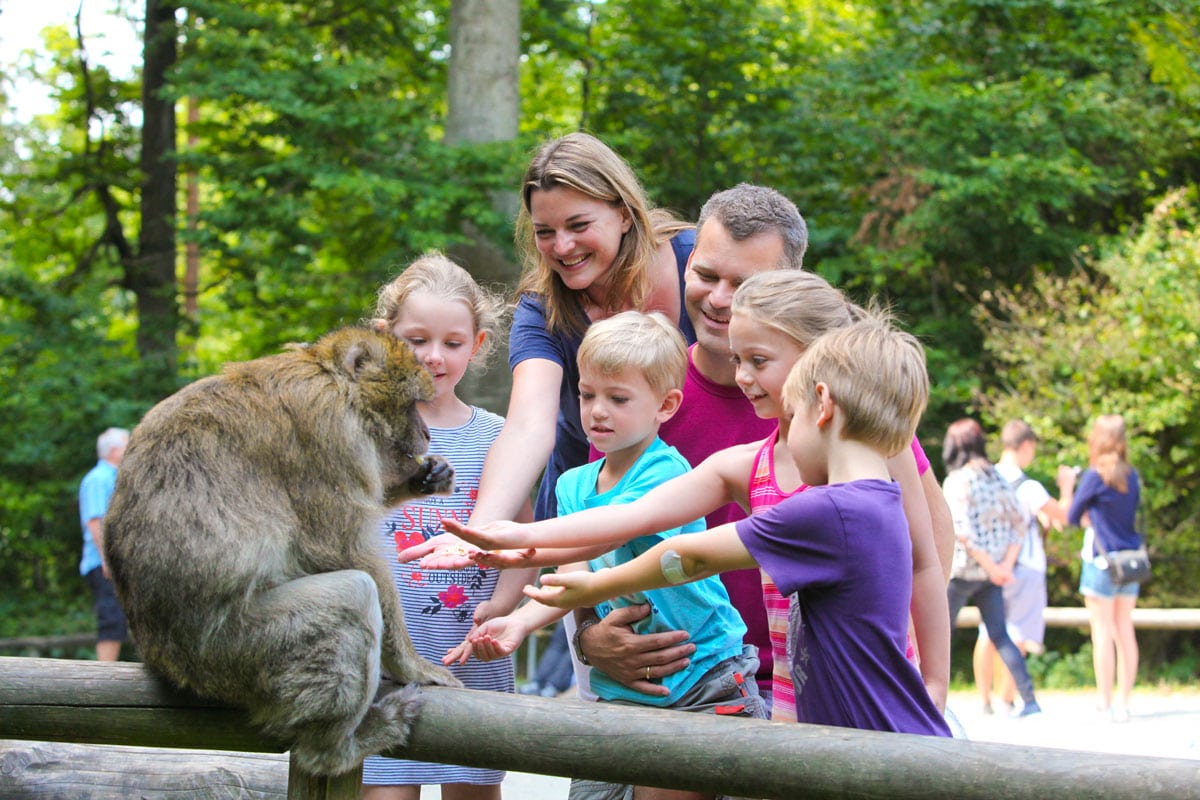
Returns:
(357, 355)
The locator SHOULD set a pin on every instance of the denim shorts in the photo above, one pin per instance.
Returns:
(1094, 582)
(728, 689)
(110, 619)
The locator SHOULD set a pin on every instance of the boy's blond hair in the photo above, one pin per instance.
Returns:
(635, 340)
(875, 373)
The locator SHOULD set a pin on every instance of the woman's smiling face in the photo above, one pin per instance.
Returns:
(577, 236)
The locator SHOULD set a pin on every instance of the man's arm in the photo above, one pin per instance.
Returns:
(95, 527)
(1053, 513)
(611, 646)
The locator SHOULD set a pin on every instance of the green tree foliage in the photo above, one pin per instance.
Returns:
(319, 150)
(66, 379)
(1000, 137)
(68, 360)
(943, 151)
(937, 148)
(1118, 335)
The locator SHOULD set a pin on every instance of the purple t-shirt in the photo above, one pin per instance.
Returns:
(844, 550)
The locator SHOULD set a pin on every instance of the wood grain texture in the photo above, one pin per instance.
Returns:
(54, 700)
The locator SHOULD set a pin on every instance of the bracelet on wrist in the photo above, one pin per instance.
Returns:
(577, 639)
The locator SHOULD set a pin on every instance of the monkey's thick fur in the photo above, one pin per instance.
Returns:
(243, 539)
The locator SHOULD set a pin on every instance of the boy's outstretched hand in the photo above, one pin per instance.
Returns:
(503, 559)
(500, 535)
(566, 590)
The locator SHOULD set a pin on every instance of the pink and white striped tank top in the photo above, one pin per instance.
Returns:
(764, 492)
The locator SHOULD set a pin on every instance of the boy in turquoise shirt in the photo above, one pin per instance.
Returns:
(632, 367)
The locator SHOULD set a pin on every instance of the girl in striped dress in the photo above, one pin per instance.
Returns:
(451, 322)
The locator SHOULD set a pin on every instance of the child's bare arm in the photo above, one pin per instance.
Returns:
(680, 559)
(507, 594)
(677, 502)
(928, 608)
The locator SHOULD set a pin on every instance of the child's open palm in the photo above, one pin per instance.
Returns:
(565, 590)
(499, 535)
(496, 638)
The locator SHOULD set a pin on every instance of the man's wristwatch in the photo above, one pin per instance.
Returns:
(577, 638)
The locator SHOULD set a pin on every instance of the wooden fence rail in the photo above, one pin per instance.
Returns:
(1180, 619)
(58, 700)
(1056, 617)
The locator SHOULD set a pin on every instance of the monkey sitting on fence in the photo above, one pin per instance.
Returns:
(243, 541)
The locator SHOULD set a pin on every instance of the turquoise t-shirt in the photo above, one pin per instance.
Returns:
(95, 490)
(701, 608)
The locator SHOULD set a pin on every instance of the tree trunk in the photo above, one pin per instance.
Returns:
(484, 106)
(483, 93)
(151, 275)
(483, 83)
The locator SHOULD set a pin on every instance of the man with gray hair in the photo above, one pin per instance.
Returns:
(95, 491)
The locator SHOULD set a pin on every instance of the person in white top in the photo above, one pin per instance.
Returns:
(1025, 597)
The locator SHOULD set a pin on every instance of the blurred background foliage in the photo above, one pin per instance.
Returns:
(1017, 178)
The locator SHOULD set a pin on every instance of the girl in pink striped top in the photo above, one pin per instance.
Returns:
(775, 316)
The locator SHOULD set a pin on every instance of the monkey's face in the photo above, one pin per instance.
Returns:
(389, 381)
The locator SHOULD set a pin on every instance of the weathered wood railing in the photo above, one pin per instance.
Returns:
(58, 700)
(1179, 619)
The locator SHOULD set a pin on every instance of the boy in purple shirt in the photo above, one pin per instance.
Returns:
(842, 546)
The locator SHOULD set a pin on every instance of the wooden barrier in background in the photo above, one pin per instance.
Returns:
(58, 700)
(1056, 617)
(1180, 619)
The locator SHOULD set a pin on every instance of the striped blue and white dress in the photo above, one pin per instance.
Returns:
(439, 604)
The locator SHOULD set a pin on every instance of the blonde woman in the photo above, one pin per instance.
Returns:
(1106, 501)
(592, 247)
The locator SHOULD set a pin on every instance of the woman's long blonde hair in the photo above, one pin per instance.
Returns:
(1107, 451)
(582, 162)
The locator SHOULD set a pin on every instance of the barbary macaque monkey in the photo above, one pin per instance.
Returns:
(243, 539)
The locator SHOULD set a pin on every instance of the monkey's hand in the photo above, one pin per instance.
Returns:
(434, 475)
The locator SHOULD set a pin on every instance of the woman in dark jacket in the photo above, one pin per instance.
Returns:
(1106, 502)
